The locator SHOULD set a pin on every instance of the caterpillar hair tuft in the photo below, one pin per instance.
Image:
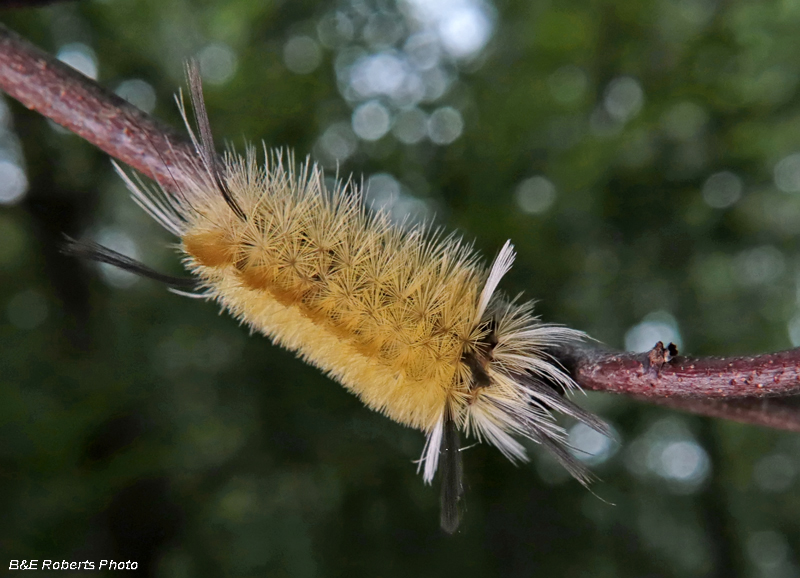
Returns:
(406, 318)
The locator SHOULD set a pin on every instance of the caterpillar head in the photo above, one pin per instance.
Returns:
(509, 386)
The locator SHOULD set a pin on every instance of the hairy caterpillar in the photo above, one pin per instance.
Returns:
(404, 317)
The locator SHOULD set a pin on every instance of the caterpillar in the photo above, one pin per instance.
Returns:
(405, 317)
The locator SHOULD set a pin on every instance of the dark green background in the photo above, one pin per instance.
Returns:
(137, 424)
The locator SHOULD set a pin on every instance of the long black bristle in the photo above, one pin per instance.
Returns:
(94, 252)
(452, 477)
(207, 150)
(546, 392)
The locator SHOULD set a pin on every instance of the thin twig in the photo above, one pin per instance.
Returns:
(707, 386)
(772, 412)
(662, 373)
(758, 390)
(62, 94)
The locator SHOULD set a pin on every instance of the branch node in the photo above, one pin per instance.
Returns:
(660, 356)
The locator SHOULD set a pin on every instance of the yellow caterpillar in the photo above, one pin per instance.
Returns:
(408, 320)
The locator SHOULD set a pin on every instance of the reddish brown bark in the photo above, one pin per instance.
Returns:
(736, 388)
(760, 390)
(62, 94)
(661, 373)
(773, 412)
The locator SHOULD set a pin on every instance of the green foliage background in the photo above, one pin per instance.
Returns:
(137, 424)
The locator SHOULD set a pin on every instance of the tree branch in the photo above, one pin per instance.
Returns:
(736, 388)
(65, 96)
(759, 390)
(772, 412)
(662, 373)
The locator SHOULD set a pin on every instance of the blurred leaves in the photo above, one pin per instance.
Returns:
(640, 155)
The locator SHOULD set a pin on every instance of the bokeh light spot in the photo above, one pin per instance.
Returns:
(589, 445)
(384, 193)
(535, 195)
(13, 183)
(655, 327)
(80, 57)
(774, 473)
(623, 98)
(371, 121)
(301, 54)
(445, 125)
(768, 549)
(721, 190)
(759, 266)
(139, 93)
(411, 126)
(337, 144)
(787, 174)
(217, 62)
(117, 240)
(463, 26)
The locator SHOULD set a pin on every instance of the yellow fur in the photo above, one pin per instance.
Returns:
(409, 321)
(388, 312)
